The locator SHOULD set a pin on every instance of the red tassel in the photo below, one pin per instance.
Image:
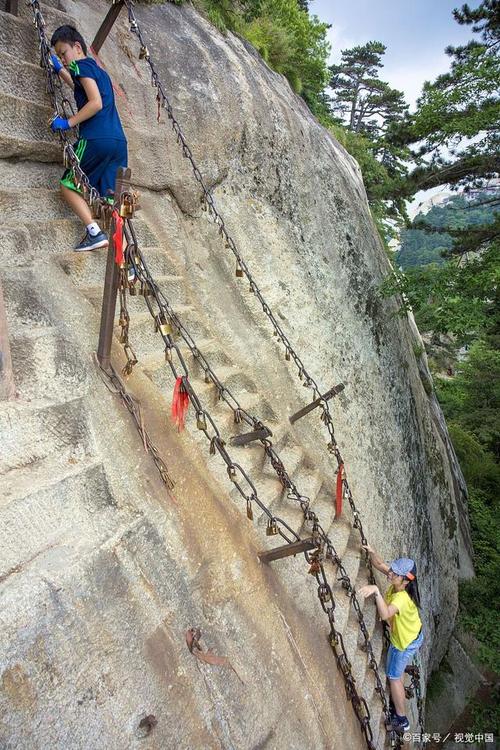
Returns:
(180, 403)
(118, 238)
(340, 491)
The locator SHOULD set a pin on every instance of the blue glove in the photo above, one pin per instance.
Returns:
(59, 123)
(56, 63)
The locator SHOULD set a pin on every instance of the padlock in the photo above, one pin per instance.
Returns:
(143, 53)
(201, 422)
(163, 325)
(131, 289)
(249, 509)
(315, 567)
(324, 593)
(208, 379)
(287, 355)
(168, 354)
(123, 336)
(239, 270)
(232, 473)
(272, 527)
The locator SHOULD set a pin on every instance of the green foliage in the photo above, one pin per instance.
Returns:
(369, 104)
(435, 239)
(461, 104)
(461, 300)
(292, 43)
(471, 404)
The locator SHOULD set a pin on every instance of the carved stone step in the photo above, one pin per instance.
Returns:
(27, 205)
(51, 11)
(27, 311)
(22, 78)
(87, 270)
(48, 368)
(31, 434)
(18, 36)
(24, 130)
(34, 175)
(45, 511)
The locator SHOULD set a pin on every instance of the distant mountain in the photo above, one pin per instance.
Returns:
(421, 248)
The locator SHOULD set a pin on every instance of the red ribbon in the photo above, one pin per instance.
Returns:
(118, 238)
(180, 403)
(340, 491)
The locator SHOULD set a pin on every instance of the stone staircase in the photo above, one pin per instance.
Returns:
(50, 467)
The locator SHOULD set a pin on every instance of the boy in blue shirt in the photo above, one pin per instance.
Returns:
(102, 146)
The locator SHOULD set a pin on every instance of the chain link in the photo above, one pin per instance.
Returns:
(153, 295)
(208, 204)
(168, 325)
(64, 108)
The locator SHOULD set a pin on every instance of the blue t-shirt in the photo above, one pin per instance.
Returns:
(105, 123)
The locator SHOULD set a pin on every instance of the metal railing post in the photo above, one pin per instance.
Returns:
(111, 279)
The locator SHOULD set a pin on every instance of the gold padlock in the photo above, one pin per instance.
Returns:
(272, 527)
(143, 53)
(249, 509)
(239, 270)
(162, 325)
(287, 355)
(232, 473)
(201, 422)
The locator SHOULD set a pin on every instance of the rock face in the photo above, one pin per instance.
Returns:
(102, 570)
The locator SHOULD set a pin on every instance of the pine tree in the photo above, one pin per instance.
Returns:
(369, 105)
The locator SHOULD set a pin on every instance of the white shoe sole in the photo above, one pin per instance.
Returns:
(101, 243)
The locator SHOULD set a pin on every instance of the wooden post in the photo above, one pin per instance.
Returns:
(106, 26)
(303, 545)
(325, 397)
(7, 389)
(111, 280)
(12, 7)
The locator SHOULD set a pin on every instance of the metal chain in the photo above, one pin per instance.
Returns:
(208, 204)
(63, 107)
(326, 549)
(116, 385)
(414, 691)
(166, 323)
(100, 207)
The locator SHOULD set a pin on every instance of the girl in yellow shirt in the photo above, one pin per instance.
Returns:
(399, 607)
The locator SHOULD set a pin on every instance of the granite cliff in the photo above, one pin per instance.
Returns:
(101, 569)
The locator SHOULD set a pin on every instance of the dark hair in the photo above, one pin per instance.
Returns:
(69, 35)
(412, 587)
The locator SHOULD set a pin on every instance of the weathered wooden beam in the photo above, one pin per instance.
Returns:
(326, 396)
(106, 26)
(303, 545)
(248, 437)
(12, 6)
(111, 281)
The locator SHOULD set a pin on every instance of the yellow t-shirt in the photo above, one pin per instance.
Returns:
(406, 623)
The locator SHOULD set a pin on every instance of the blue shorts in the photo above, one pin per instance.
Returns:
(397, 660)
(100, 159)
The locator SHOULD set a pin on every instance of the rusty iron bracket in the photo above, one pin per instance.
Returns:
(248, 437)
(326, 396)
(106, 26)
(295, 548)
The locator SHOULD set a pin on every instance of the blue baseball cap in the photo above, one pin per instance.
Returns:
(404, 566)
